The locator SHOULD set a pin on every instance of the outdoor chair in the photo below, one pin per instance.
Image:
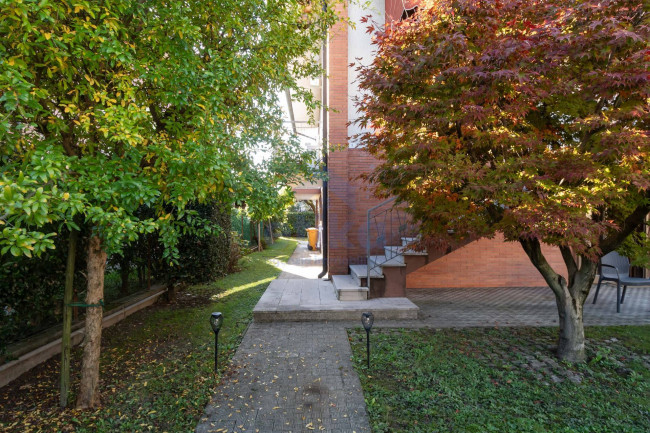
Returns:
(615, 267)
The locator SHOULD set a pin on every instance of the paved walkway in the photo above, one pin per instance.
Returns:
(298, 295)
(303, 264)
(291, 376)
(298, 377)
(522, 306)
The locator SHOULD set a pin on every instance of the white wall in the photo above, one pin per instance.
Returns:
(360, 50)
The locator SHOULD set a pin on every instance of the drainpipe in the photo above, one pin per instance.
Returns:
(324, 210)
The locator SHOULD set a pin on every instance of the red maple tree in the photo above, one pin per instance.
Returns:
(526, 118)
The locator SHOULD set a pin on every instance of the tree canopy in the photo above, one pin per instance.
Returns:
(107, 106)
(528, 118)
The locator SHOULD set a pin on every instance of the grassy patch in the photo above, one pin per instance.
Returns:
(504, 380)
(157, 365)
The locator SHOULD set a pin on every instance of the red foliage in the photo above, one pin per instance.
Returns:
(529, 118)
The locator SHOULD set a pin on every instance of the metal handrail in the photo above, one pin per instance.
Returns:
(388, 215)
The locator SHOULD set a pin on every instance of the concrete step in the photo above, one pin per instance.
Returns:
(409, 240)
(385, 262)
(347, 288)
(357, 272)
(287, 300)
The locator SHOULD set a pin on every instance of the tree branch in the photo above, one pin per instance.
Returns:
(571, 265)
(614, 238)
(533, 249)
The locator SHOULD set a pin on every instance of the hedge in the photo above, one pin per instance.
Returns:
(31, 290)
(297, 223)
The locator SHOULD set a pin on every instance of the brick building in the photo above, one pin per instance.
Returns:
(482, 263)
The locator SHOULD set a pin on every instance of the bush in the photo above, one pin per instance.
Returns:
(31, 290)
(207, 257)
(238, 249)
(297, 223)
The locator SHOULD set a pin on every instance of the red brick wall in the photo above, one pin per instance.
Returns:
(394, 8)
(337, 224)
(485, 263)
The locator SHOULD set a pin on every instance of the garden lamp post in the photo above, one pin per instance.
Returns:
(366, 320)
(216, 320)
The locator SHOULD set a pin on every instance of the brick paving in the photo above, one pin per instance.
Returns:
(290, 377)
(521, 306)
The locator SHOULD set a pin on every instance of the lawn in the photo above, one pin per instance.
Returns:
(157, 366)
(504, 380)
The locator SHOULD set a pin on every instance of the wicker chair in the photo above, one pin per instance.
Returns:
(615, 267)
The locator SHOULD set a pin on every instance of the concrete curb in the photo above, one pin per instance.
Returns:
(14, 369)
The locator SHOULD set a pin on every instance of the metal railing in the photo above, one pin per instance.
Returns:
(387, 223)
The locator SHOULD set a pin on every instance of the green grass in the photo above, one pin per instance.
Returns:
(504, 380)
(157, 365)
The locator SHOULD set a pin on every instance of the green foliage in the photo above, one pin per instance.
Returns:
(297, 223)
(112, 105)
(237, 217)
(157, 365)
(268, 200)
(204, 257)
(239, 248)
(503, 380)
(31, 291)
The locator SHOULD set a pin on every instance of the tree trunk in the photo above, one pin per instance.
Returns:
(271, 231)
(67, 319)
(570, 296)
(259, 236)
(89, 387)
(571, 341)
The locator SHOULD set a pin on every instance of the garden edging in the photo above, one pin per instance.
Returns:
(14, 369)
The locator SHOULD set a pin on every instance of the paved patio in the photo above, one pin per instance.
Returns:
(298, 295)
(522, 306)
(298, 376)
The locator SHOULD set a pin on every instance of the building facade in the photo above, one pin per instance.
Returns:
(481, 263)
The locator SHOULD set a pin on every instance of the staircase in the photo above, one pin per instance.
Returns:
(390, 233)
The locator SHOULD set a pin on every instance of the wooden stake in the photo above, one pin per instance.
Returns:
(67, 319)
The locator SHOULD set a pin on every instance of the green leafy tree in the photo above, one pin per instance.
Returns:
(528, 119)
(110, 105)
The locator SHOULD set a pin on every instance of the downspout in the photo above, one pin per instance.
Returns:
(324, 210)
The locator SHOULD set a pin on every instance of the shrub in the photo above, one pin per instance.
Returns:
(238, 249)
(297, 223)
(207, 257)
(31, 290)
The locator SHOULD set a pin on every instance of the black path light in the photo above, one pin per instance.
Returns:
(366, 320)
(216, 320)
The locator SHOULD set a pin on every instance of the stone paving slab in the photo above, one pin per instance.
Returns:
(315, 300)
(290, 377)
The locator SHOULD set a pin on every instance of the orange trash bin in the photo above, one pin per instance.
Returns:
(312, 237)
